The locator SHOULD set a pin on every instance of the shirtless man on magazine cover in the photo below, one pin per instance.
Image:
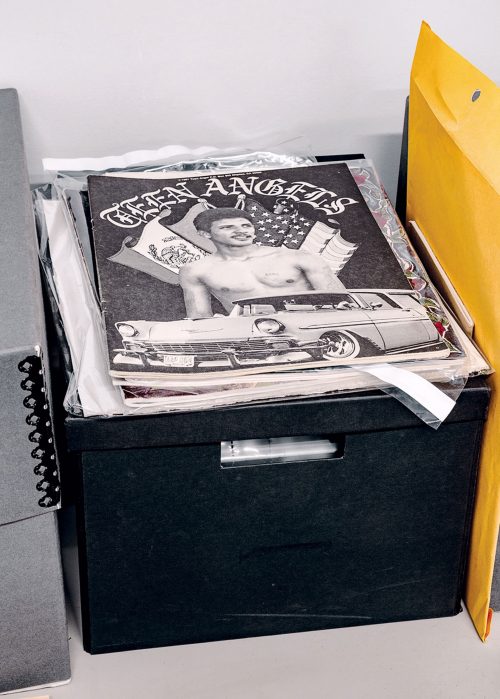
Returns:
(239, 268)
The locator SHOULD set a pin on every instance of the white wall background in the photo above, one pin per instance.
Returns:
(102, 77)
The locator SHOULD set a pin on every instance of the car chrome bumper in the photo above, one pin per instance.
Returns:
(299, 351)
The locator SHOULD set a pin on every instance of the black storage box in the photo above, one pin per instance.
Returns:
(175, 548)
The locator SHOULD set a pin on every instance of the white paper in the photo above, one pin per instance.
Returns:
(78, 310)
(421, 390)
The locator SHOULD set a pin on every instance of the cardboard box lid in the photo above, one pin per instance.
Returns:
(28, 468)
(329, 415)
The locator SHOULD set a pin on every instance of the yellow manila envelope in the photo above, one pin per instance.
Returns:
(454, 197)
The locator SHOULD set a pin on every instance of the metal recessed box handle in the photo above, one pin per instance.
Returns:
(275, 450)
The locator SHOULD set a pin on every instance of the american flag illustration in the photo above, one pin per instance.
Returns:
(282, 227)
(287, 227)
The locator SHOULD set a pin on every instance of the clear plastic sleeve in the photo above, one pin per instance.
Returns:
(67, 258)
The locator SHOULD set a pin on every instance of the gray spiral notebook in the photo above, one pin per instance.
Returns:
(33, 635)
(28, 464)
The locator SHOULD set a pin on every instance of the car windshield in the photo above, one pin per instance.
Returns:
(377, 301)
(305, 303)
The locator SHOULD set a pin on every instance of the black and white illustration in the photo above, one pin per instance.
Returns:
(268, 270)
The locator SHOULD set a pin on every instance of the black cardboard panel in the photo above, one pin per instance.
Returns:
(347, 414)
(177, 550)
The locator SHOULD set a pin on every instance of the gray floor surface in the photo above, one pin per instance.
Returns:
(439, 658)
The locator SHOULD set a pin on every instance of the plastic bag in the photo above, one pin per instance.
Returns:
(91, 391)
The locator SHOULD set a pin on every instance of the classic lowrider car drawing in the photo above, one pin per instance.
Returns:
(295, 327)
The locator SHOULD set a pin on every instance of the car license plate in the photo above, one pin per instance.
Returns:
(181, 360)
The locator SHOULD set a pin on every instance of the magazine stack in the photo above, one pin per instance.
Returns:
(216, 282)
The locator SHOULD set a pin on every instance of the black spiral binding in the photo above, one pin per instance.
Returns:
(44, 452)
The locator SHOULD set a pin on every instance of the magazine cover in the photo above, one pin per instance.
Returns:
(248, 272)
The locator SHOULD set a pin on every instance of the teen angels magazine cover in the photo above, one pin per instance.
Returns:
(251, 272)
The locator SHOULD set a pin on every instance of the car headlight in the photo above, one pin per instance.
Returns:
(269, 325)
(126, 330)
